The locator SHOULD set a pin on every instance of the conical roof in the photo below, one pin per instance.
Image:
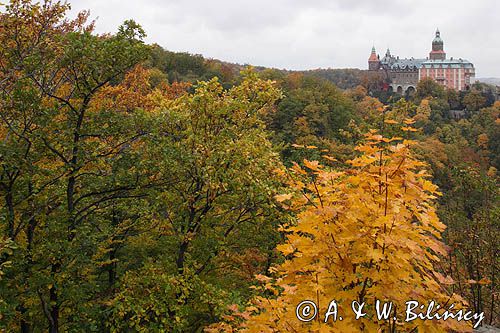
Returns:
(373, 55)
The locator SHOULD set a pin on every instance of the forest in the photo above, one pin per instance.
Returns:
(145, 190)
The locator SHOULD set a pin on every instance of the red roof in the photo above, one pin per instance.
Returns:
(373, 57)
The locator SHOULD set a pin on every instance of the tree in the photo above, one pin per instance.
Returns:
(423, 111)
(213, 153)
(453, 99)
(59, 153)
(470, 209)
(429, 88)
(108, 176)
(474, 100)
(365, 234)
(312, 111)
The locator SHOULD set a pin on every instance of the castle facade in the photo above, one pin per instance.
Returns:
(402, 75)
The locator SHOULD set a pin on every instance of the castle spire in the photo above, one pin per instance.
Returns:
(373, 55)
(373, 61)
(437, 52)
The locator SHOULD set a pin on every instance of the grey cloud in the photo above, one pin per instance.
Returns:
(300, 34)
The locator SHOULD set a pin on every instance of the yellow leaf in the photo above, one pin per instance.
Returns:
(329, 158)
(286, 249)
(484, 281)
(313, 165)
(283, 197)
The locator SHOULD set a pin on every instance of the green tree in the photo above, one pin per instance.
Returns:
(312, 112)
(58, 153)
(471, 211)
(212, 150)
(474, 100)
(429, 88)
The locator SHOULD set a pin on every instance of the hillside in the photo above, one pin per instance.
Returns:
(144, 190)
(490, 80)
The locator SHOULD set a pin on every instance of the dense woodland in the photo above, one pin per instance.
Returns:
(143, 190)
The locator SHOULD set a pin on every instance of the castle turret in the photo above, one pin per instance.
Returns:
(373, 61)
(437, 52)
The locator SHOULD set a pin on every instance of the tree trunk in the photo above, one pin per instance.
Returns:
(181, 256)
(10, 216)
(54, 303)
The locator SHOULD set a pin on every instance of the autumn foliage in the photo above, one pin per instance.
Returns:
(368, 233)
(143, 190)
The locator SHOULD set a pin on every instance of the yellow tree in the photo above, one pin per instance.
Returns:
(423, 111)
(366, 234)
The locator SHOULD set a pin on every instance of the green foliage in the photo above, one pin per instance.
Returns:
(474, 100)
(471, 210)
(312, 112)
(429, 88)
(155, 301)
(102, 176)
(182, 66)
(342, 78)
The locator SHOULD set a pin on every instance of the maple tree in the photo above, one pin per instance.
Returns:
(367, 233)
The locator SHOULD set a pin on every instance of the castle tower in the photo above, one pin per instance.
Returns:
(437, 52)
(373, 61)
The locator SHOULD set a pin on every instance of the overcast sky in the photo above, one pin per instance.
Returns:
(308, 34)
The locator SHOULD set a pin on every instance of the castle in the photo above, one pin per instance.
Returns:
(402, 75)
